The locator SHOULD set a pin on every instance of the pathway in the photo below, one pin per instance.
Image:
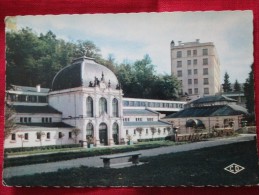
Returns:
(97, 162)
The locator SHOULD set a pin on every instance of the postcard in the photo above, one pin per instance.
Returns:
(139, 99)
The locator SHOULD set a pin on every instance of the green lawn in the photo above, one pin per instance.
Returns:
(54, 155)
(199, 167)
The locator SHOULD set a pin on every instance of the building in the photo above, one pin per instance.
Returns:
(210, 112)
(197, 66)
(87, 96)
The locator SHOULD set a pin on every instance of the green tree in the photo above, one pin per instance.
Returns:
(226, 84)
(10, 124)
(153, 131)
(237, 87)
(139, 130)
(76, 132)
(249, 91)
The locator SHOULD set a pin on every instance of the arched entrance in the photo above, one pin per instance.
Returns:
(115, 133)
(103, 135)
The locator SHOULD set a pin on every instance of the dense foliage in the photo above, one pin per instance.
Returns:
(226, 84)
(249, 91)
(33, 59)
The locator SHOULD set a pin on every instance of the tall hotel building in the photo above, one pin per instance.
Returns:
(197, 67)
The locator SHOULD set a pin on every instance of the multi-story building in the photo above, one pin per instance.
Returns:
(197, 67)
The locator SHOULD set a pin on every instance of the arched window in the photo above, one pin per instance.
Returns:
(89, 107)
(115, 133)
(115, 108)
(102, 105)
(90, 130)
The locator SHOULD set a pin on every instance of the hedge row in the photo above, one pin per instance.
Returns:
(151, 139)
(20, 149)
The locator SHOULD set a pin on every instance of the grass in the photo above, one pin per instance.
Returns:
(68, 154)
(200, 167)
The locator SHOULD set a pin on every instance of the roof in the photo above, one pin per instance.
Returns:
(134, 112)
(35, 109)
(59, 124)
(28, 89)
(145, 123)
(209, 99)
(81, 72)
(209, 111)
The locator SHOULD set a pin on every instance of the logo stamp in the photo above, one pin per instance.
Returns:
(234, 168)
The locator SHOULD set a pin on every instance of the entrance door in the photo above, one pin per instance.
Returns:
(103, 134)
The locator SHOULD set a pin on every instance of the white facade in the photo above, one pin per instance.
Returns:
(197, 66)
(87, 96)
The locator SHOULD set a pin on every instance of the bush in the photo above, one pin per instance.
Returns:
(50, 147)
(151, 139)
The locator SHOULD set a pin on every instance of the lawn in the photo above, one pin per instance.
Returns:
(54, 155)
(200, 167)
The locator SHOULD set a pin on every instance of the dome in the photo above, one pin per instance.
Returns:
(84, 72)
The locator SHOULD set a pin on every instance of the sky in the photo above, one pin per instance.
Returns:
(131, 36)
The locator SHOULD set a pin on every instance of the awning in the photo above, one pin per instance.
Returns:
(194, 123)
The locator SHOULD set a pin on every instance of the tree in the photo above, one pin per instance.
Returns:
(10, 124)
(76, 132)
(237, 87)
(153, 131)
(61, 135)
(139, 130)
(168, 130)
(40, 135)
(249, 91)
(226, 84)
(21, 136)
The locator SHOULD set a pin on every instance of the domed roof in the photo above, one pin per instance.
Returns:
(85, 72)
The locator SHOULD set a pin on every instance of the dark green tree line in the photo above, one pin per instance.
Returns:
(35, 59)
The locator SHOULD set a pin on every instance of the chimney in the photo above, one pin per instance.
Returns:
(38, 88)
(197, 40)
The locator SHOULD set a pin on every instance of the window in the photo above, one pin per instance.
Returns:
(205, 81)
(195, 71)
(25, 119)
(89, 107)
(134, 131)
(102, 106)
(149, 119)
(38, 135)
(26, 136)
(189, 81)
(13, 137)
(206, 91)
(189, 62)
(189, 91)
(127, 132)
(32, 98)
(189, 72)
(196, 90)
(205, 71)
(205, 61)
(195, 81)
(179, 64)
(115, 129)
(205, 52)
(179, 54)
(48, 135)
(115, 108)
(146, 131)
(138, 119)
(21, 98)
(21, 119)
(179, 73)
(46, 120)
(29, 120)
(60, 135)
(70, 135)
(89, 129)
(189, 52)
(42, 99)
(194, 52)
(195, 62)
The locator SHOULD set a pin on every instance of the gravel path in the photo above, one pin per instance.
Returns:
(97, 162)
